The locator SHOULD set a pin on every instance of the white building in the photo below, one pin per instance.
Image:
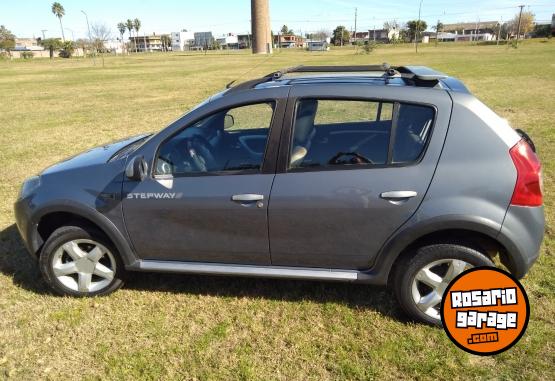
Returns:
(228, 41)
(114, 46)
(446, 36)
(182, 40)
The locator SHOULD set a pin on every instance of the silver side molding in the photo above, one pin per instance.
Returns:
(249, 270)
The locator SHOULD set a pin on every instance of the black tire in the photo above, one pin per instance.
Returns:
(64, 235)
(409, 265)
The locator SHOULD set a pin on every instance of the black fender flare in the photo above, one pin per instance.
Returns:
(104, 224)
(414, 230)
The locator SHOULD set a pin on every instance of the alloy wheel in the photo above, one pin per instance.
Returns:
(84, 265)
(430, 283)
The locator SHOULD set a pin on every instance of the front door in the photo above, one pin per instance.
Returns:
(208, 198)
(357, 165)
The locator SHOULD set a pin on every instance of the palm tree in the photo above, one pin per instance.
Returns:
(130, 26)
(60, 12)
(121, 28)
(137, 24)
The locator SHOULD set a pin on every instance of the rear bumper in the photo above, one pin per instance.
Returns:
(522, 234)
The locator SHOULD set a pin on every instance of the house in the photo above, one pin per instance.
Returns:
(383, 35)
(182, 40)
(149, 43)
(318, 45)
(288, 41)
(245, 41)
(27, 44)
(228, 41)
(359, 36)
(203, 40)
(469, 31)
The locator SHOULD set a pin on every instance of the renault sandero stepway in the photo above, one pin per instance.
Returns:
(380, 175)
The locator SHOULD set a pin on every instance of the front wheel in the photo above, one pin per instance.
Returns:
(80, 262)
(420, 280)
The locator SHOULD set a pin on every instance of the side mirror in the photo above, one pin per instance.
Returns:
(136, 169)
(229, 121)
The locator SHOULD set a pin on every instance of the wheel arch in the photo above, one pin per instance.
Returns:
(54, 216)
(474, 231)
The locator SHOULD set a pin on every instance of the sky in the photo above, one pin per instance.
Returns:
(28, 18)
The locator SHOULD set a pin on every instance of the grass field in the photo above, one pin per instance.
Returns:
(196, 327)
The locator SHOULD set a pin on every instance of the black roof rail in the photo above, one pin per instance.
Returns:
(416, 73)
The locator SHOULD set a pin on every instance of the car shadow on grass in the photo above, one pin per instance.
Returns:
(16, 263)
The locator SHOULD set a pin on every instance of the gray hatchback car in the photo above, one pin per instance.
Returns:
(373, 174)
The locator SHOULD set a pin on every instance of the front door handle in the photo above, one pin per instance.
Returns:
(398, 196)
(247, 197)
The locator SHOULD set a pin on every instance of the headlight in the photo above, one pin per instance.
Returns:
(29, 186)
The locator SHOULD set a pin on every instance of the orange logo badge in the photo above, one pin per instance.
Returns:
(485, 311)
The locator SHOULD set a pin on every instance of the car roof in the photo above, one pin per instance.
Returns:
(375, 75)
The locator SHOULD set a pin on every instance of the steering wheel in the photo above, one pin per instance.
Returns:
(200, 155)
(356, 158)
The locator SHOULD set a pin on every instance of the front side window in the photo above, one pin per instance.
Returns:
(230, 140)
(331, 133)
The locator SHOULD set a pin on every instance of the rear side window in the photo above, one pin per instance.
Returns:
(331, 133)
(413, 127)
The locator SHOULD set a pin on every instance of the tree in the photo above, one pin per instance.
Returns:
(7, 39)
(100, 34)
(341, 36)
(137, 25)
(51, 44)
(320, 35)
(121, 29)
(391, 25)
(67, 49)
(59, 12)
(438, 28)
(166, 42)
(527, 22)
(130, 26)
(416, 27)
(542, 30)
(286, 31)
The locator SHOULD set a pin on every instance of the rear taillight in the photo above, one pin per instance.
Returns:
(528, 188)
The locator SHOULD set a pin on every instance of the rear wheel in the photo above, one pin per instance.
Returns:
(80, 262)
(420, 279)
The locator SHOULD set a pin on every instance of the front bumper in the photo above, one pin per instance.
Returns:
(27, 229)
(522, 235)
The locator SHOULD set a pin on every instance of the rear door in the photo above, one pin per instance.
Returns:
(355, 163)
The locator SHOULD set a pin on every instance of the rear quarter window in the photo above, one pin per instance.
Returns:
(339, 133)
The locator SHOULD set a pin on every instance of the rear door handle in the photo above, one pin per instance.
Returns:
(398, 195)
(247, 197)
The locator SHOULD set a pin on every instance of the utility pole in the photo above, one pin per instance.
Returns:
(356, 15)
(499, 25)
(519, 19)
(437, 32)
(90, 37)
(417, 32)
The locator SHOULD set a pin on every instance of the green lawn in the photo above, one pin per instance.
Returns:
(197, 327)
